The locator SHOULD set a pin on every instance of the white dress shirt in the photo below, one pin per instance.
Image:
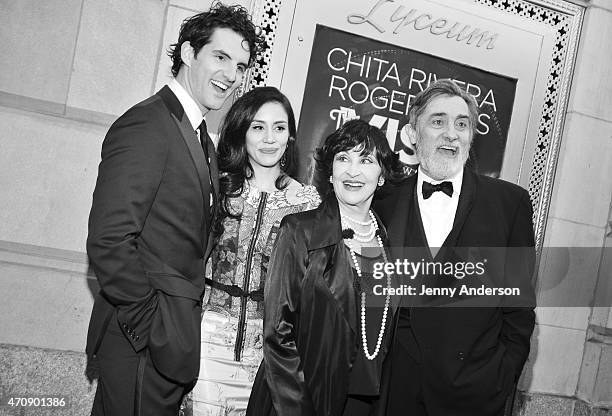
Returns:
(438, 211)
(189, 105)
(193, 114)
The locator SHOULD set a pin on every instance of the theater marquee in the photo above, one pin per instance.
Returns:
(341, 59)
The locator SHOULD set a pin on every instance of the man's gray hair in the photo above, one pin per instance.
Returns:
(436, 89)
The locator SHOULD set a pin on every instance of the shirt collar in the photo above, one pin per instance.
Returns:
(457, 181)
(191, 108)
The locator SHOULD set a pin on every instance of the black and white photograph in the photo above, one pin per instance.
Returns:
(306, 208)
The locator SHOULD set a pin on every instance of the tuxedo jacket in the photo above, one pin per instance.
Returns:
(470, 356)
(149, 234)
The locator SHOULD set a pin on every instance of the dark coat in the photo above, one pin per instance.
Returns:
(470, 356)
(149, 234)
(311, 321)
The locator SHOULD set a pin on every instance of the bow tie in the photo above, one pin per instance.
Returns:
(429, 189)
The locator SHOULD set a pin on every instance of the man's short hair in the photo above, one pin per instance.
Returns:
(198, 29)
(436, 89)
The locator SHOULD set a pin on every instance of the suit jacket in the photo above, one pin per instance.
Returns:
(470, 356)
(149, 234)
(311, 321)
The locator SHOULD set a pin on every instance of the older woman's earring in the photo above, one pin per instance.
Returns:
(331, 179)
(381, 181)
(283, 161)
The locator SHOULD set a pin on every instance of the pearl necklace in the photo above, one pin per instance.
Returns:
(354, 221)
(361, 237)
(381, 333)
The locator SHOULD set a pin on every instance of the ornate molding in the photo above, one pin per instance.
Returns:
(265, 15)
(566, 18)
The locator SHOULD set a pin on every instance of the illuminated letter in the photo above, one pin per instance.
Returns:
(358, 64)
(382, 98)
(420, 82)
(392, 73)
(329, 63)
(482, 123)
(333, 87)
(486, 100)
(365, 87)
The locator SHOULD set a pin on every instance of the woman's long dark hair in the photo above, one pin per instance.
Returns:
(234, 163)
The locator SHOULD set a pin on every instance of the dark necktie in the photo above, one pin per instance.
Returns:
(205, 139)
(208, 147)
(429, 189)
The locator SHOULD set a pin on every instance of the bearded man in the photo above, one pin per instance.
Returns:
(455, 358)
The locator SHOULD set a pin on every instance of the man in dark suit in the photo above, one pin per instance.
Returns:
(150, 221)
(455, 360)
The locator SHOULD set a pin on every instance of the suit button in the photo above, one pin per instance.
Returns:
(461, 355)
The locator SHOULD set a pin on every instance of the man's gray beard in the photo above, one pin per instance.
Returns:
(441, 169)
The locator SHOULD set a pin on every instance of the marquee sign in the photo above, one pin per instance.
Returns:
(368, 58)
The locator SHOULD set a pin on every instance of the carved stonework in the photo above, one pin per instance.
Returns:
(566, 19)
(265, 15)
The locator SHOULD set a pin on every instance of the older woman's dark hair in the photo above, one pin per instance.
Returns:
(198, 29)
(360, 134)
(232, 154)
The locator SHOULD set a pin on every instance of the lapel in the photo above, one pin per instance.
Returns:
(418, 238)
(414, 233)
(327, 235)
(214, 180)
(196, 152)
(466, 200)
(214, 169)
(189, 136)
(326, 230)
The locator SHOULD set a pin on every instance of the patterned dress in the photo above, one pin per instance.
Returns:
(232, 323)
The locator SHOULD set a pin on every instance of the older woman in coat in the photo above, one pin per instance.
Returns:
(325, 332)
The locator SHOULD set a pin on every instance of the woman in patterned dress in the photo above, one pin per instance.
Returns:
(327, 333)
(257, 157)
